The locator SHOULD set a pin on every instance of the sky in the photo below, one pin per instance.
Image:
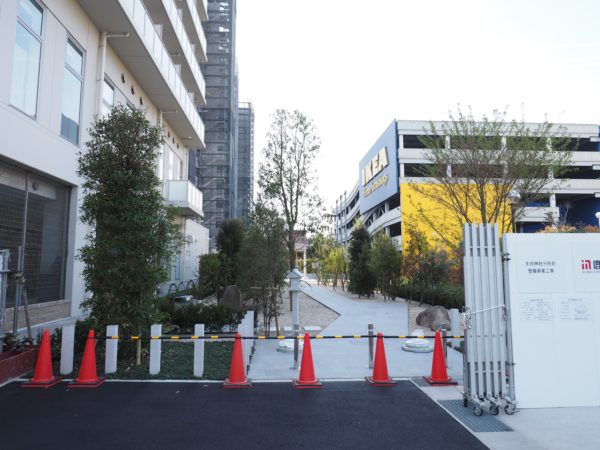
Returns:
(353, 66)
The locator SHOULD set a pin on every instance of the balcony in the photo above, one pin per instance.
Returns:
(148, 60)
(192, 22)
(178, 44)
(184, 196)
(202, 9)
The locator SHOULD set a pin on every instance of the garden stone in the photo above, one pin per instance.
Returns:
(434, 318)
(232, 297)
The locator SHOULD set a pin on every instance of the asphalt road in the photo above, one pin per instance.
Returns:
(349, 415)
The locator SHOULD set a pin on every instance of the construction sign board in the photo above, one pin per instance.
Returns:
(553, 299)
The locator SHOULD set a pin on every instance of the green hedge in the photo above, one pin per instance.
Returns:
(446, 295)
(182, 318)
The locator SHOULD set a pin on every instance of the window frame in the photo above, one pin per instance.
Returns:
(108, 82)
(81, 76)
(40, 38)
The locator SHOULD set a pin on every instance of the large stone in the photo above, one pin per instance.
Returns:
(434, 318)
(232, 297)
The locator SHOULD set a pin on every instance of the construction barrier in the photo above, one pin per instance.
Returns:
(190, 337)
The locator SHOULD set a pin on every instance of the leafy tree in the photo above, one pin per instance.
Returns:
(229, 242)
(133, 235)
(385, 263)
(335, 267)
(362, 280)
(262, 262)
(229, 239)
(215, 271)
(319, 249)
(287, 176)
(475, 164)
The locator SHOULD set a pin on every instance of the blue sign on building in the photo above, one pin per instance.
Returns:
(378, 176)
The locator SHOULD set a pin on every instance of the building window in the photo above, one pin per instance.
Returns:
(108, 97)
(34, 214)
(73, 80)
(26, 60)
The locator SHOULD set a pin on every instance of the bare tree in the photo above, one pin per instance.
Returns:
(287, 176)
(474, 166)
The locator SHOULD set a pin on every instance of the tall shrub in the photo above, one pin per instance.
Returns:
(362, 280)
(132, 236)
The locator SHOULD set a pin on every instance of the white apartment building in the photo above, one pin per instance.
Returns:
(65, 62)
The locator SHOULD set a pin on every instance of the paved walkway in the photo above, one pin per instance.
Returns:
(349, 358)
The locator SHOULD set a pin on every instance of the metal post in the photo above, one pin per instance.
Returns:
(445, 346)
(296, 345)
(19, 290)
(4, 271)
(370, 328)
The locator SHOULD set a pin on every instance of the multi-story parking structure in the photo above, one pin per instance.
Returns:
(384, 199)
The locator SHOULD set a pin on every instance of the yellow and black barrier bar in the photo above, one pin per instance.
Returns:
(214, 337)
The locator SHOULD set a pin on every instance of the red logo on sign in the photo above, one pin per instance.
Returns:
(586, 264)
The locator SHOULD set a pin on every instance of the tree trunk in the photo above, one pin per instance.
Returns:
(292, 248)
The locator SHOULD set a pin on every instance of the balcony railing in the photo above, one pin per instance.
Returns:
(185, 196)
(186, 46)
(197, 26)
(140, 19)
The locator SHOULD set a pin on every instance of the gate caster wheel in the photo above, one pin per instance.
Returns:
(465, 402)
(494, 410)
(478, 411)
(509, 409)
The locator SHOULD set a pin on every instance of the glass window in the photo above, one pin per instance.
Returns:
(34, 213)
(73, 80)
(108, 97)
(26, 59)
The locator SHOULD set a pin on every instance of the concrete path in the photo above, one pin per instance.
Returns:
(349, 358)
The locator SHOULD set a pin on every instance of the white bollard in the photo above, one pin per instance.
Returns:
(67, 346)
(112, 347)
(155, 348)
(199, 351)
(250, 316)
(456, 326)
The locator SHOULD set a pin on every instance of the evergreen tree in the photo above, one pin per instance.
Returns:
(362, 280)
(133, 236)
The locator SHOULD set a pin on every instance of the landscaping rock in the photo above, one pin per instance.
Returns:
(232, 297)
(434, 318)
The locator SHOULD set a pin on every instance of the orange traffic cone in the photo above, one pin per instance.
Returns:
(307, 370)
(237, 373)
(439, 376)
(43, 376)
(88, 377)
(380, 373)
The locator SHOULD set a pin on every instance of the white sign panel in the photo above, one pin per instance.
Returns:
(554, 304)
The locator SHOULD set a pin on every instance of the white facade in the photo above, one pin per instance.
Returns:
(65, 61)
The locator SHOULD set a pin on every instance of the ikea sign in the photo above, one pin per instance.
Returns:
(379, 170)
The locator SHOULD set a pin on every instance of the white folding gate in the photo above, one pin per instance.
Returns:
(487, 360)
